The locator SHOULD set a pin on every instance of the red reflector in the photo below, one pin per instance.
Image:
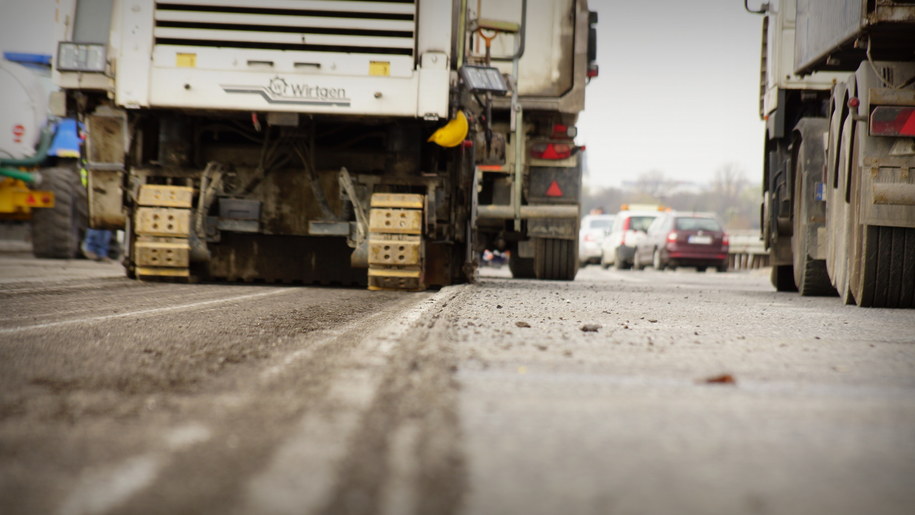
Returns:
(30, 200)
(46, 200)
(551, 150)
(893, 121)
(554, 190)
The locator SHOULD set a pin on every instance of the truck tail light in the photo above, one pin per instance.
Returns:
(551, 150)
(893, 121)
(626, 224)
(561, 131)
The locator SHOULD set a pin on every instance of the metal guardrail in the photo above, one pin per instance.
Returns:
(747, 251)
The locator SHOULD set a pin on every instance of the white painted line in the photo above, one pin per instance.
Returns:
(152, 311)
(101, 491)
(325, 434)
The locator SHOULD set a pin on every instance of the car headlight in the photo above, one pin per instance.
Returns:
(80, 57)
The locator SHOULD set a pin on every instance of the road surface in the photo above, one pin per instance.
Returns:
(621, 392)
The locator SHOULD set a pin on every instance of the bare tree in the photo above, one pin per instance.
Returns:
(729, 181)
(653, 184)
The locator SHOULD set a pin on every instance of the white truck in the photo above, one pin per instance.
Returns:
(306, 140)
(838, 99)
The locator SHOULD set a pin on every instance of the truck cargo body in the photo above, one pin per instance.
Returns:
(836, 34)
(839, 188)
(308, 140)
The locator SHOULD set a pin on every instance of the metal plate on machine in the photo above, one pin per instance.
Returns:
(554, 185)
(321, 228)
(162, 254)
(165, 196)
(163, 221)
(395, 252)
(402, 200)
(396, 221)
(388, 279)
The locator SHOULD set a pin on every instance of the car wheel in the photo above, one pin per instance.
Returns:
(603, 263)
(620, 263)
(656, 260)
(701, 269)
(637, 261)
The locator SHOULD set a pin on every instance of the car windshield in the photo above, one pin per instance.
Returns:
(600, 223)
(697, 224)
(640, 223)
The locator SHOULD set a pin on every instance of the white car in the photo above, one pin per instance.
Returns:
(628, 228)
(593, 230)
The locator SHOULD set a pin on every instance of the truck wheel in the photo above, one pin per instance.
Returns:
(887, 267)
(810, 276)
(782, 278)
(555, 259)
(57, 232)
(521, 268)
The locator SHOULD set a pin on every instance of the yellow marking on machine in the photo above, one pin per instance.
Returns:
(185, 60)
(379, 68)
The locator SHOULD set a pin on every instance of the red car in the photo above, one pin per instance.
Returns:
(683, 239)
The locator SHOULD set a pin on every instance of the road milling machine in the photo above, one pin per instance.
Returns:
(370, 142)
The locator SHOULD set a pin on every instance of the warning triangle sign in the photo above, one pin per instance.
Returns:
(554, 190)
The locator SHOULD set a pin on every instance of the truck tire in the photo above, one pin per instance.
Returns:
(555, 259)
(57, 232)
(810, 276)
(887, 268)
(521, 268)
(782, 278)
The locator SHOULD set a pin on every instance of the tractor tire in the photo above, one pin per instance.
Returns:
(57, 232)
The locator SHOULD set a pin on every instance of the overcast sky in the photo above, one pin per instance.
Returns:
(678, 91)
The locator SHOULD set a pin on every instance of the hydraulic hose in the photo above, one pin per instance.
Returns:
(19, 174)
